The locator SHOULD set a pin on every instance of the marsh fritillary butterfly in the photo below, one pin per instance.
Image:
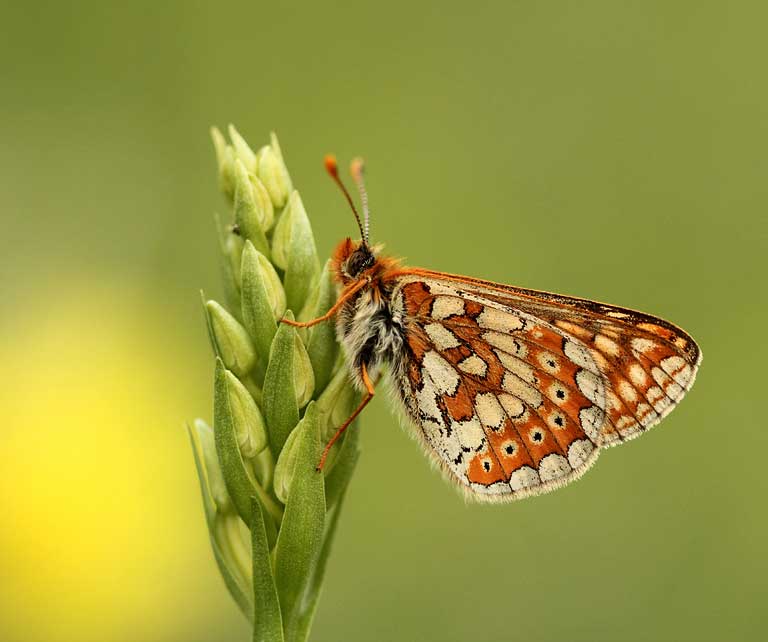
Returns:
(514, 392)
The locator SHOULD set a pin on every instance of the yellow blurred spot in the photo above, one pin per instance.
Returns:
(102, 534)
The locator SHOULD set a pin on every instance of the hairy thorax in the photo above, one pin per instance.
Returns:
(371, 330)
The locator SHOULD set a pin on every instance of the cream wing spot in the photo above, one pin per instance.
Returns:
(553, 467)
(441, 336)
(442, 374)
(580, 355)
(607, 345)
(493, 319)
(515, 385)
(591, 386)
(642, 345)
(489, 410)
(627, 392)
(470, 433)
(427, 400)
(524, 477)
(473, 365)
(512, 405)
(502, 342)
(637, 375)
(592, 419)
(579, 452)
(516, 366)
(446, 306)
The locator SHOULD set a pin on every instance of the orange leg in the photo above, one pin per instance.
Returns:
(334, 309)
(340, 431)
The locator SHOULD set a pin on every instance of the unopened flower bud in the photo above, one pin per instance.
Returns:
(303, 375)
(286, 464)
(272, 172)
(249, 424)
(243, 152)
(265, 208)
(247, 214)
(225, 158)
(234, 345)
(215, 480)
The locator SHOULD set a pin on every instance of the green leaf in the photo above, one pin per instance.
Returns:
(279, 394)
(312, 595)
(234, 581)
(322, 347)
(303, 265)
(338, 478)
(301, 533)
(247, 216)
(267, 619)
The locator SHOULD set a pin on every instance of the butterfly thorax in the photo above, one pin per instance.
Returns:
(368, 326)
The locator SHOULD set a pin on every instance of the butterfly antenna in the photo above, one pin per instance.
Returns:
(333, 169)
(357, 168)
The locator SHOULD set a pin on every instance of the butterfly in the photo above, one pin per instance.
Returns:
(513, 392)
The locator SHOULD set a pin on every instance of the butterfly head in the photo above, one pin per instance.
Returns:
(352, 259)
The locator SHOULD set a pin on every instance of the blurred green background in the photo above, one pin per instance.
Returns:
(612, 150)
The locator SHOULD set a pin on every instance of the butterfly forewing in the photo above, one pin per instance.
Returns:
(516, 391)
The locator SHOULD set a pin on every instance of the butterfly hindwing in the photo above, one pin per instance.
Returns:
(516, 391)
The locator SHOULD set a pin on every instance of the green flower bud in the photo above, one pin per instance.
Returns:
(294, 250)
(213, 477)
(263, 299)
(225, 158)
(247, 214)
(303, 375)
(281, 239)
(242, 151)
(321, 341)
(246, 417)
(285, 465)
(272, 172)
(233, 249)
(264, 203)
(234, 345)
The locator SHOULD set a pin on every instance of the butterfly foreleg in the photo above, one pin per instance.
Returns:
(340, 430)
(343, 298)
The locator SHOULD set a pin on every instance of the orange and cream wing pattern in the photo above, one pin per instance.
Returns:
(516, 391)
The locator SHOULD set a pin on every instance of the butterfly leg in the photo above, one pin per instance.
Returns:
(340, 431)
(334, 308)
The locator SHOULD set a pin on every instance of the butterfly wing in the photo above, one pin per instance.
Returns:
(516, 391)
